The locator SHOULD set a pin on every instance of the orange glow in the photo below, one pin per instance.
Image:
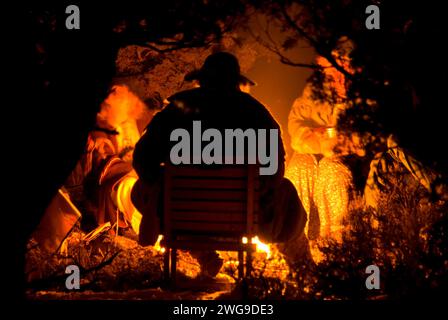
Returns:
(245, 88)
(261, 247)
(157, 246)
(334, 77)
(122, 199)
(120, 111)
(267, 259)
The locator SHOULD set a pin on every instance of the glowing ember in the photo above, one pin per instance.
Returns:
(157, 246)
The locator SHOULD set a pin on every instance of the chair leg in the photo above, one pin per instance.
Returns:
(173, 265)
(240, 264)
(166, 265)
(248, 262)
(244, 280)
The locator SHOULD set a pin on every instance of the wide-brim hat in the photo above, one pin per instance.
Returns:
(220, 64)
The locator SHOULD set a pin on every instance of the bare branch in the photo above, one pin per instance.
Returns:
(323, 51)
(173, 46)
(277, 51)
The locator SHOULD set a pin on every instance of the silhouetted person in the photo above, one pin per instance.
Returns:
(218, 103)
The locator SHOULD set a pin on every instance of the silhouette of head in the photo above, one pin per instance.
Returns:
(220, 70)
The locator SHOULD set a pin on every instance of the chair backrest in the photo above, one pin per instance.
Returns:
(221, 201)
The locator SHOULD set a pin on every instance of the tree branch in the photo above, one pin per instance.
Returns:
(274, 49)
(321, 50)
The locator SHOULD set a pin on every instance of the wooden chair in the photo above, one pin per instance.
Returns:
(210, 208)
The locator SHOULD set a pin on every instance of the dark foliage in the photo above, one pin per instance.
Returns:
(396, 85)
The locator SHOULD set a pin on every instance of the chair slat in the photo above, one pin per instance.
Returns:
(232, 171)
(208, 195)
(209, 227)
(209, 217)
(210, 245)
(194, 183)
(211, 206)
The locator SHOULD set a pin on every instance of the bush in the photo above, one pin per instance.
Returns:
(405, 237)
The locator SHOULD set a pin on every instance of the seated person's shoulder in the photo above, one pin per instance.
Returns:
(248, 101)
(185, 102)
(256, 106)
(186, 95)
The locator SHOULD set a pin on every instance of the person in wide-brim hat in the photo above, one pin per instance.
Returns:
(220, 69)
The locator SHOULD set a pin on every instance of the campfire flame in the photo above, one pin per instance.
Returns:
(120, 111)
(157, 246)
(260, 246)
(267, 260)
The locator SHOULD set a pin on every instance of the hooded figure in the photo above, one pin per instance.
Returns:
(323, 177)
(220, 104)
